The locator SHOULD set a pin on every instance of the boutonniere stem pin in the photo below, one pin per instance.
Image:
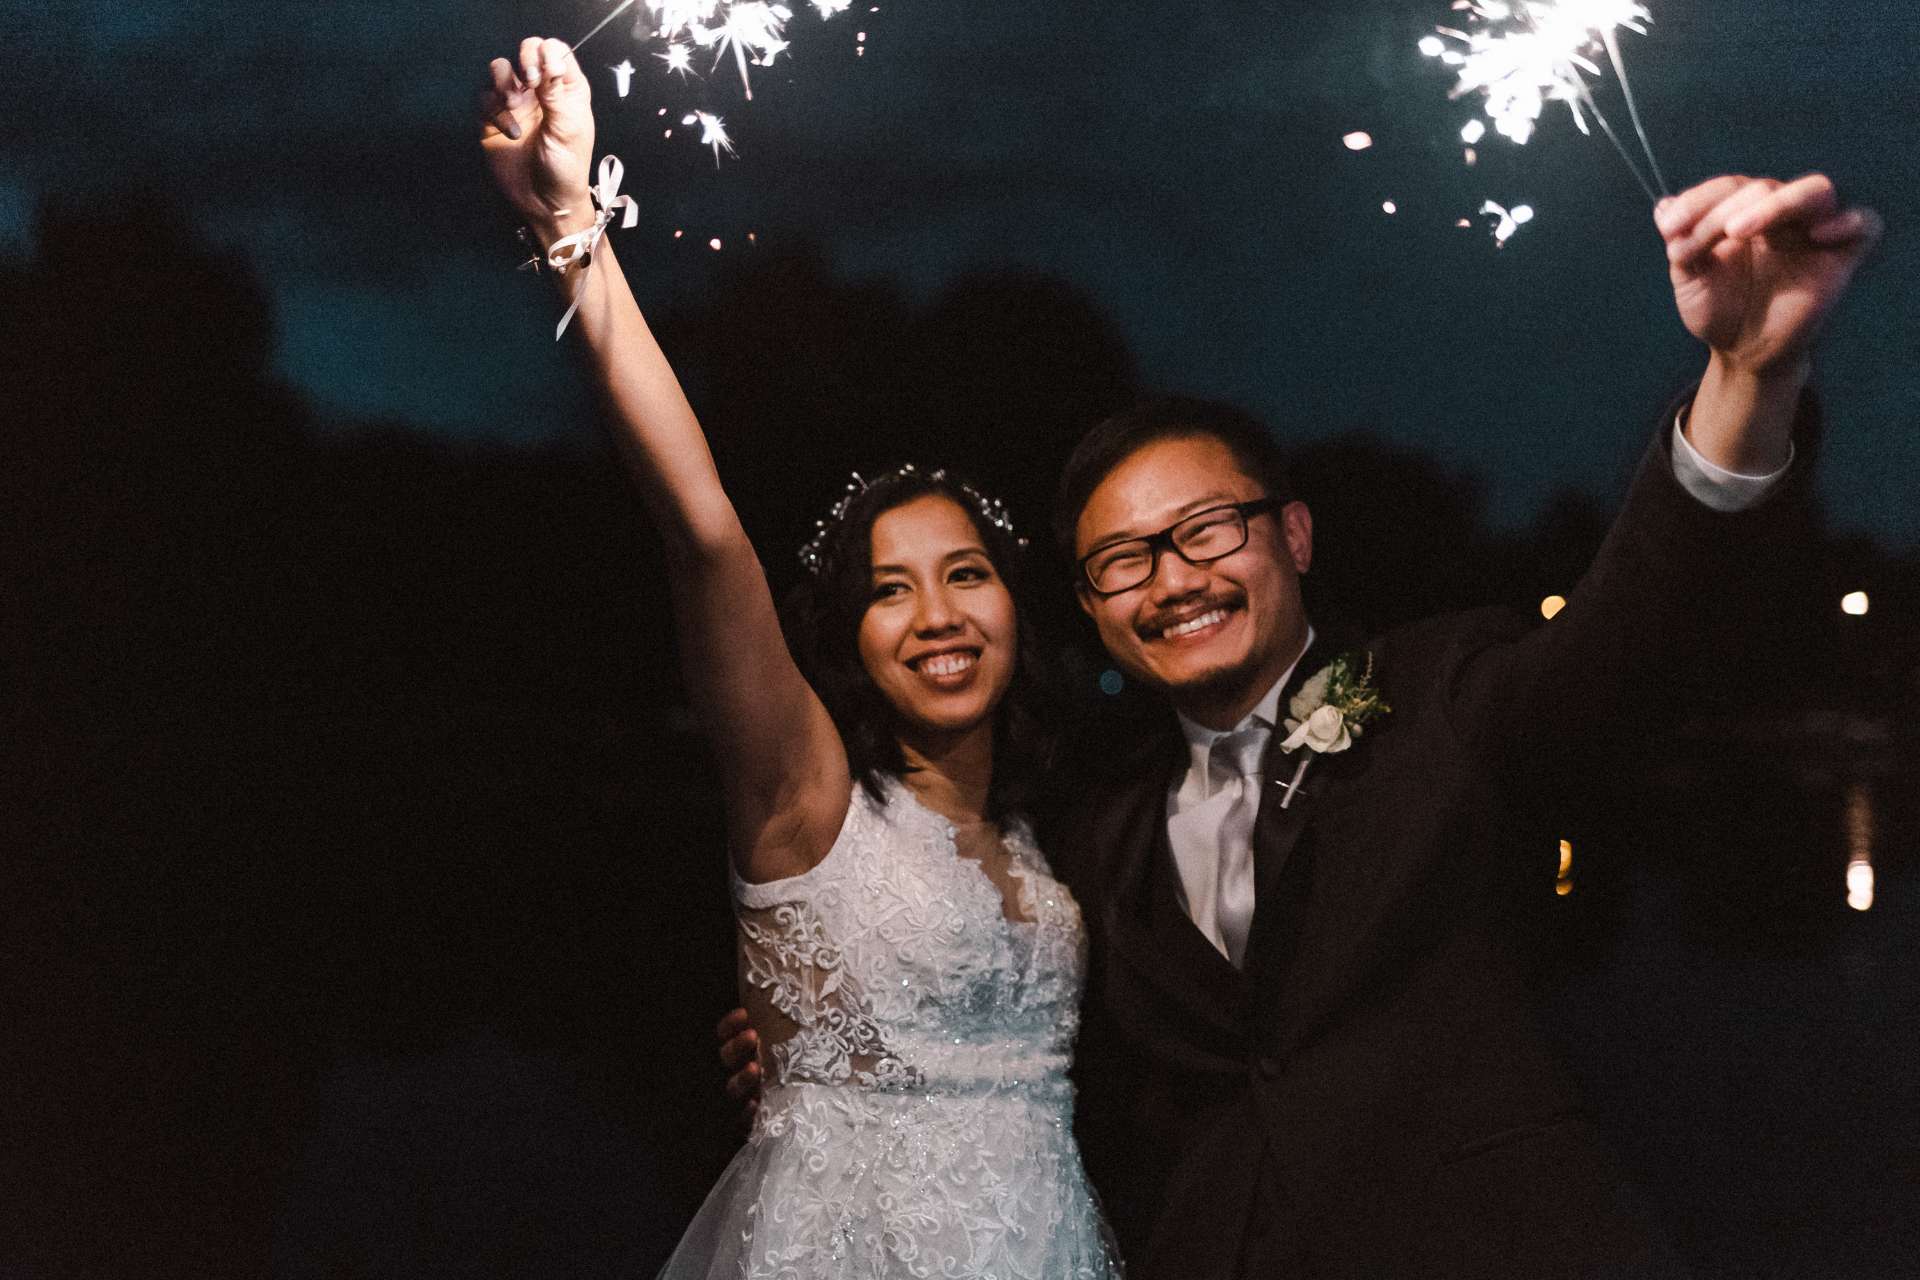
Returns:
(1329, 712)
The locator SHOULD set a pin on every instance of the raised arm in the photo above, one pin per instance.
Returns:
(783, 768)
(1756, 266)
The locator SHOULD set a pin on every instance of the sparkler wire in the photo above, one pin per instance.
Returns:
(1626, 91)
(1625, 155)
(619, 9)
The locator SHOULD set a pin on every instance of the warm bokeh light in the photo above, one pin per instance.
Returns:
(1861, 830)
(1552, 605)
(1854, 603)
(1563, 885)
(1860, 885)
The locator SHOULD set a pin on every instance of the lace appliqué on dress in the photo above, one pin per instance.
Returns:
(918, 1004)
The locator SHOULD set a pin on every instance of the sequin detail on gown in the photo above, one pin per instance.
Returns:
(918, 992)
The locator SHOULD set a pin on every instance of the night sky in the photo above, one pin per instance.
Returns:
(1179, 163)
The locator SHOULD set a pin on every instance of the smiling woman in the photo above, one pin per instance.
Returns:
(907, 958)
(908, 629)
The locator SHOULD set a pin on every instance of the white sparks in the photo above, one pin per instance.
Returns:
(623, 77)
(678, 57)
(714, 244)
(751, 28)
(1472, 131)
(754, 31)
(1389, 207)
(1510, 220)
(713, 133)
(1358, 140)
(1520, 57)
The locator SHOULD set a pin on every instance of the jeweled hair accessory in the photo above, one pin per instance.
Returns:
(991, 510)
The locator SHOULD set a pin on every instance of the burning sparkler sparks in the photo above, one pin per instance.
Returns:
(678, 57)
(1510, 220)
(754, 31)
(623, 77)
(1522, 56)
(713, 133)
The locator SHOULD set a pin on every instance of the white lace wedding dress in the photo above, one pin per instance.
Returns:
(918, 992)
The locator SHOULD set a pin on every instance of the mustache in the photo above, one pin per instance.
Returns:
(1190, 607)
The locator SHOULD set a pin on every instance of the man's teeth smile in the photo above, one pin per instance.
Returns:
(1192, 626)
(948, 664)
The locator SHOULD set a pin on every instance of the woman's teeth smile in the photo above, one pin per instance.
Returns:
(947, 666)
(1194, 626)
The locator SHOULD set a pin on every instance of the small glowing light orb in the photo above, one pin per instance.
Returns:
(1854, 604)
(714, 244)
(1523, 214)
(1390, 207)
(1860, 885)
(1566, 856)
(1552, 605)
(1472, 131)
(678, 233)
(1358, 140)
(1433, 46)
(1472, 157)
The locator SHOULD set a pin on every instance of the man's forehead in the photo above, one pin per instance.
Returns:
(1158, 483)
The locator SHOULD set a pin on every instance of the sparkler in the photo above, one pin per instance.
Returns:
(1511, 220)
(1522, 56)
(678, 57)
(713, 133)
(754, 31)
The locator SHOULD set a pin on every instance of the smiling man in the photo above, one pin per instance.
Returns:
(1308, 1052)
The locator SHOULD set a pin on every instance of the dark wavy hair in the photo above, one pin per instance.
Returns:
(1118, 438)
(821, 617)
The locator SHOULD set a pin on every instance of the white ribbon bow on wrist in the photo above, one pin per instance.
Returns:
(567, 250)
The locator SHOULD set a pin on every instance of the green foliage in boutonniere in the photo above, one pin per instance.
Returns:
(1335, 704)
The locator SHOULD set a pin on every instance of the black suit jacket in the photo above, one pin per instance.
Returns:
(1370, 1096)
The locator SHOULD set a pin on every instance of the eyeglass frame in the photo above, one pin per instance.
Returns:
(1163, 541)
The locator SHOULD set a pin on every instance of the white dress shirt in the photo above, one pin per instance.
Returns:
(1211, 807)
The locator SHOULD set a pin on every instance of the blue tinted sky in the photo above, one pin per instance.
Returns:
(1180, 163)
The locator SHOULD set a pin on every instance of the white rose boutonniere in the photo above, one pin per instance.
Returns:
(1332, 708)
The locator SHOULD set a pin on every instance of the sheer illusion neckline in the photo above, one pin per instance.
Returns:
(973, 843)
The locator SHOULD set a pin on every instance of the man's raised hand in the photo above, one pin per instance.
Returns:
(1757, 264)
(537, 132)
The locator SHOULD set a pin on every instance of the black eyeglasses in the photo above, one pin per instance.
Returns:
(1198, 538)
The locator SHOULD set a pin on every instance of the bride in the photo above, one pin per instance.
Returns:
(909, 964)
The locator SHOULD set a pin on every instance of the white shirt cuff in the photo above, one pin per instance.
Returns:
(1715, 486)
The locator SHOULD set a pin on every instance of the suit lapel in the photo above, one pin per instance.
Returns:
(1276, 830)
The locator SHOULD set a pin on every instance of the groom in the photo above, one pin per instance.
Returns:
(1305, 1052)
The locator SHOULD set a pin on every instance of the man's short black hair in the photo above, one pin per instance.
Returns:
(1163, 418)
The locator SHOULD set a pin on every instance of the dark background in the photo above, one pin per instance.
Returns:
(365, 911)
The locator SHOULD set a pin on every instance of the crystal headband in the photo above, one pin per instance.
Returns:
(991, 510)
